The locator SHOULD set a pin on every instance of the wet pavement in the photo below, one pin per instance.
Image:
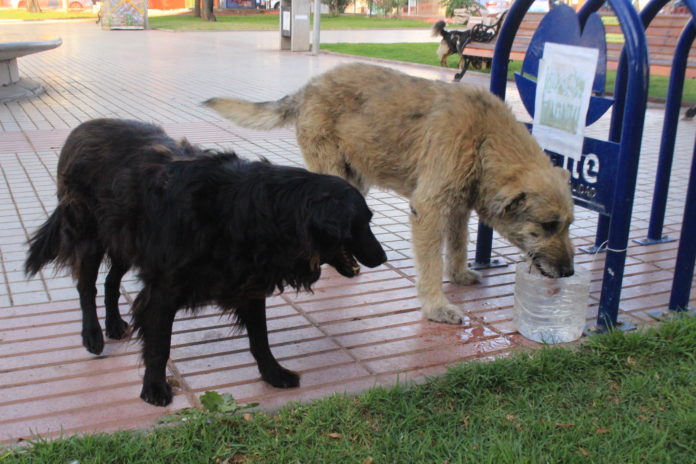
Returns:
(346, 336)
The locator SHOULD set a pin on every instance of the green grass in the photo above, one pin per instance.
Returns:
(48, 14)
(619, 398)
(424, 53)
(270, 22)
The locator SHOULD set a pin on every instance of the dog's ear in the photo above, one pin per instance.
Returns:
(330, 222)
(507, 202)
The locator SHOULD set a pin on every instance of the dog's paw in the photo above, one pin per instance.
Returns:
(447, 313)
(93, 340)
(464, 276)
(280, 377)
(157, 393)
(116, 329)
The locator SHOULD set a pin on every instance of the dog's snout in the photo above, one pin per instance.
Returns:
(567, 272)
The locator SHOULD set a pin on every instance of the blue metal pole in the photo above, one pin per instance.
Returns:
(647, 14)
(631, 132)
(686, 255)
(669, 134)
(499, 69)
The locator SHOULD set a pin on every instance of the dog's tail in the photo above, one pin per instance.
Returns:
(438, 28)
(44, 245)
(261, 115)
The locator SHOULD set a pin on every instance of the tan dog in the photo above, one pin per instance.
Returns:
(448, 148)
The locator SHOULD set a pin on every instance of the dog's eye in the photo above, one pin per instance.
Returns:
(550, 226)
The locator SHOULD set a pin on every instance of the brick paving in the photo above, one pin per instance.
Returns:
(346, 336)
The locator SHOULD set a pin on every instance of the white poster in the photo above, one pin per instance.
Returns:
(564, 86)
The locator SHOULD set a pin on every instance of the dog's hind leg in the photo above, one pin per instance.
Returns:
(87, 267)
(428, 228)
(457, 234)
(116, 327)
(252, 315)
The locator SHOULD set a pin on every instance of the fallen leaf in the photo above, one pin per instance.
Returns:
(614, 386)
(247, 417)
(510, 417)
(238, 459)
(335, 435)
(465, 421)
(601, 430)
(368, 460)
(630, 361)
(583, 451)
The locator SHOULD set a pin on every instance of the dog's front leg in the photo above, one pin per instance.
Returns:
(457, 242)
(428, 224)
(154, 313)
(252, 315)
(116, 327)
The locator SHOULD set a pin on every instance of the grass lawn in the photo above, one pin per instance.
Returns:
(424, 53)
(619, 398)
(270, 22)
(48, 14)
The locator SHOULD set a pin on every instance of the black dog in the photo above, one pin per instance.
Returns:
(452, 42)
(199, 227)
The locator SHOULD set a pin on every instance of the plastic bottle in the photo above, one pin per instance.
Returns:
(550, 310)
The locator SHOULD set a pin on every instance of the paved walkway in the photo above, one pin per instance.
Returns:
(347, 336)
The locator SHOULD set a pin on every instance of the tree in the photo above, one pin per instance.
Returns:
(390, 7)
(336, 7)
(33, 6)
(207, 13)
(197, 8)
(450, 5)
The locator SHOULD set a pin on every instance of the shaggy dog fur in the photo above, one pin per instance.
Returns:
(200, 228)
(448, 148)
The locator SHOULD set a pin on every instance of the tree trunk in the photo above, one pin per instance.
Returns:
(33, 6)
(207, 10)
(197, 8)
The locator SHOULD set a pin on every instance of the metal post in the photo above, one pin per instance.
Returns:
(317, 21)
(669, 135)
(499, 68)
(686, 255)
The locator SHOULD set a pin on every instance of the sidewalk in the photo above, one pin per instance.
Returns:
(347, 336)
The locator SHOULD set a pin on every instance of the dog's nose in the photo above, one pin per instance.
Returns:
(567, 272)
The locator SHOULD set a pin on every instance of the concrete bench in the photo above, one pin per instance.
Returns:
(12, 86)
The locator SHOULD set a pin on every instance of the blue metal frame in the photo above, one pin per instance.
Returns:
(669, 128)
(686, 254)
(634, 101)
(647, 14)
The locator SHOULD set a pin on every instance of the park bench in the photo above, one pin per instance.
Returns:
(662, 36)
(12, 47)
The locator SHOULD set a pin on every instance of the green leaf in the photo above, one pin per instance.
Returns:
(211, 401)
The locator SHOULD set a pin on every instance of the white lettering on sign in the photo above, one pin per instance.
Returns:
(584, 174)
(587, 169)
(590, 168)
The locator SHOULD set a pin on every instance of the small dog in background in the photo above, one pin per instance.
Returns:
(452, 42)
(200, 228)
